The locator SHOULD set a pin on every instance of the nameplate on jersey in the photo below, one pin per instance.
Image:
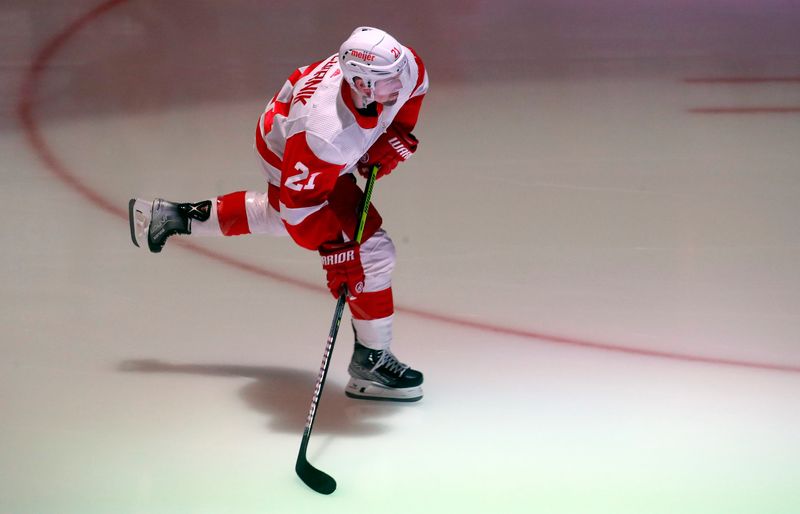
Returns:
(310, 87)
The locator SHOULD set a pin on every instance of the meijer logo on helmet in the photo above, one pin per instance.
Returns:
(364, 56)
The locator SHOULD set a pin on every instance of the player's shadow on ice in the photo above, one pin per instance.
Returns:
(284, 395)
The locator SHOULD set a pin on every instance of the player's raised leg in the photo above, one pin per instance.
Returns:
(243, 212)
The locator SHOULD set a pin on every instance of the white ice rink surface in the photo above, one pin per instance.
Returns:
(598, 265)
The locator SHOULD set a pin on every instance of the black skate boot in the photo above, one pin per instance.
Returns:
(378, 375)
(154, 222)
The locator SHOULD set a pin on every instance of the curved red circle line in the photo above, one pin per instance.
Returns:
(25, 112)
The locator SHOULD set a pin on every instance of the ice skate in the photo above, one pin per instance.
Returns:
(152, 223)
(378, 375)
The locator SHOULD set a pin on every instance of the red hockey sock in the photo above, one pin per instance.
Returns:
(379, 304)
(232, 214)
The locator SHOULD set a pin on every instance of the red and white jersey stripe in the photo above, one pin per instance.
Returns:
(311, 133)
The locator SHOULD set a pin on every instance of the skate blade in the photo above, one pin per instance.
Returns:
(139, 212)
(367, 390)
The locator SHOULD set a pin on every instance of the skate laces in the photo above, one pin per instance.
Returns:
(390, 362)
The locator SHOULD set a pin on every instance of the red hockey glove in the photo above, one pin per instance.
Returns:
(342, 263)
(394, 146)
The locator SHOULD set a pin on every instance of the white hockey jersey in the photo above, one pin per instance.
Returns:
(311, 133)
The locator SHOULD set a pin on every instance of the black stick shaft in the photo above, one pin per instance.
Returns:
(323, 369)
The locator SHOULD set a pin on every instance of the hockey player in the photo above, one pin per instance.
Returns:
(350, 112)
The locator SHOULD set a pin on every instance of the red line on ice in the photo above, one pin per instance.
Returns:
(25, 111)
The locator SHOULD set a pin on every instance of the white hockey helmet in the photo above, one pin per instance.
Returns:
(373, 55)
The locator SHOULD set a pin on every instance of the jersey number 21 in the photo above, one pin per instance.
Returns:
(293, 182)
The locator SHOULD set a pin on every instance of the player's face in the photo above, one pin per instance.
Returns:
(387, 90)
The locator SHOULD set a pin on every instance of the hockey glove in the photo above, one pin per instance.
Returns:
(394, 146)
(342, 263)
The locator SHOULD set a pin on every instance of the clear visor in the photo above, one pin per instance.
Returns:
(385, 90)
(388, 86)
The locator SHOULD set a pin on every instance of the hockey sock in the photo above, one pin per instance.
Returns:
(373, 315)
(239, 213)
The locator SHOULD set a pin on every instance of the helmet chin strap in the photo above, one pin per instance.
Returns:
(364, 99)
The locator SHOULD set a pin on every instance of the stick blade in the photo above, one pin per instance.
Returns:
(317, 480)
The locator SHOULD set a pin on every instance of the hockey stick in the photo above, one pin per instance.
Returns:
(318, 480)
